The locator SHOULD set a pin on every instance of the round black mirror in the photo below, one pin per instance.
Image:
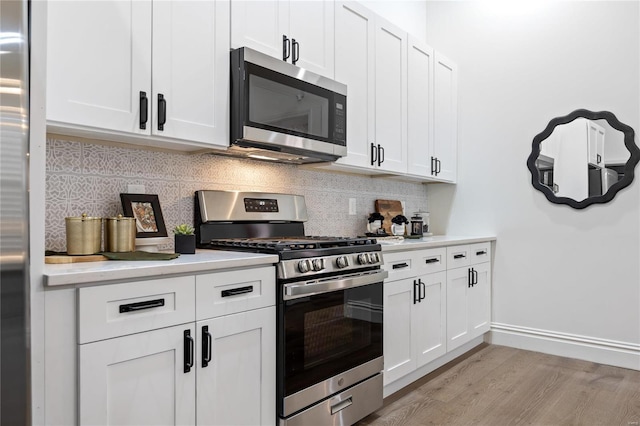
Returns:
(583, 158)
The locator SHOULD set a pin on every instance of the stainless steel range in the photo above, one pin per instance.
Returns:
(329, 293)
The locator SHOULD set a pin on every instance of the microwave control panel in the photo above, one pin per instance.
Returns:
(340, 127)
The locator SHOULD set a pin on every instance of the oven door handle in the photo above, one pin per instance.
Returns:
(294, 290)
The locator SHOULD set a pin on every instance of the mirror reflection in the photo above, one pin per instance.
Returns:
(583, 158)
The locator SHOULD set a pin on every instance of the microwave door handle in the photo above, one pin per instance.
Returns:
(294, 291)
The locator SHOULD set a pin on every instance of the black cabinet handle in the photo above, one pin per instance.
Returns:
(459, 256)
(470, 277)
(380, 154)
(423, 289)
(475, 276)
(481, 252)
(162, 111)
(433, 162)
(138, 306)
(415, 292)
(438, 167)
(206, 346)
(295, 47)
(236, 291)
(432, 260)
(144, 110)
(286, 47)
(400, 265)
(374, 154)
(599, 158)
(188, 351)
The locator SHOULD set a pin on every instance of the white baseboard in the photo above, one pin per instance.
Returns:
(610, 352)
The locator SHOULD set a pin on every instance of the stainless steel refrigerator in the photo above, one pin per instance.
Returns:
(14, 213)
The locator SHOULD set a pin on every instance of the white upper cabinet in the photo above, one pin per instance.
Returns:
(371, 61)
(420, 108)
(445, 137)
(126, 69)
(355, 68)
(300, 32)
(595, 138)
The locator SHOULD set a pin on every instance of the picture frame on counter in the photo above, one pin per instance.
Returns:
(145, 208)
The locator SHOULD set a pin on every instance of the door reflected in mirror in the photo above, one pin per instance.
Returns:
(583, 158)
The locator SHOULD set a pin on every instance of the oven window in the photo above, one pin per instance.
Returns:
(330, 333)
(279, 106)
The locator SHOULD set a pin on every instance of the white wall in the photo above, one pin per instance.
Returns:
(572, 273)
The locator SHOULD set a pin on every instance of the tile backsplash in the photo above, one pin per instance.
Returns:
(88, 178)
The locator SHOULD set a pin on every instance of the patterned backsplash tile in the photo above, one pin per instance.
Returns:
(88, 178)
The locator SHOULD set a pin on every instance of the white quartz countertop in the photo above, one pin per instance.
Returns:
(118, 270)
(430, 242)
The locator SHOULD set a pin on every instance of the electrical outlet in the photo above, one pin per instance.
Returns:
(352, 206)
(136, 189)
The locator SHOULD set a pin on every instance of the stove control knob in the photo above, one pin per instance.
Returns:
(318, 264)
(375, 258)
(342, 262)
(304, 266)
(363, 258)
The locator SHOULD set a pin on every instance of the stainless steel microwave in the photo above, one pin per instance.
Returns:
(285, 113)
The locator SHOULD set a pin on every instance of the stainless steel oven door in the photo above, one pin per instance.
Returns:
(330, 337)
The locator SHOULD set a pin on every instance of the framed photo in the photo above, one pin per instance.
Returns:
(145, 208)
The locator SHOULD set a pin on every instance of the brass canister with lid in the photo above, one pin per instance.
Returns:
(119, 234)
(84, 234)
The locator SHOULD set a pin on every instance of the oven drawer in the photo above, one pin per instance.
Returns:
(345, 408)
(229, 292)
(119, 309)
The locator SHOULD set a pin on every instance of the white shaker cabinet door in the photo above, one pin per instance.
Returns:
(354, 66)
(259, 25)
(138, 379)
(429, 318)
(238, 384)
(445, 137)
(391, 96)
(191, 71)
(480, 300)
(458, 331)
(101, 86)
(311, 24)
(420, 108)
(399, 354)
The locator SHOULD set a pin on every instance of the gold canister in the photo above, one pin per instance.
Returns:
(84, 234)
(120, 234)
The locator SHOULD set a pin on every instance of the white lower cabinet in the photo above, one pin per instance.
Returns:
(435, 300)
(179, 361)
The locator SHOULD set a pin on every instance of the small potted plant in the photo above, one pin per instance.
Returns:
(185, 239)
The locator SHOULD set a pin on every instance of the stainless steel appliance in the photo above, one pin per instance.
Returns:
(329, 293)
(14, 212)
(284, 113)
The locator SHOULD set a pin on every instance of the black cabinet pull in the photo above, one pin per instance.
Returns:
(162, 111)
(144, 110)
(400, 265)
(475, 276)
(433, 162)
(481, 252)
(438, 167)
(206, 346)
(286, 47)
(374, 154)
(599, 158)
(432, 260)
(470, 277)
(380, 154)
(236, 291)
(415, 292)
(138, 306)
(295, 48)
(423, 289)
(459, 256)
(188, 351)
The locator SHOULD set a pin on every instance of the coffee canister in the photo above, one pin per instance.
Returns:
(119, 234)
(84, 234)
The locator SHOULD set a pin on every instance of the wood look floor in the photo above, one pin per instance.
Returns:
(497, 385)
